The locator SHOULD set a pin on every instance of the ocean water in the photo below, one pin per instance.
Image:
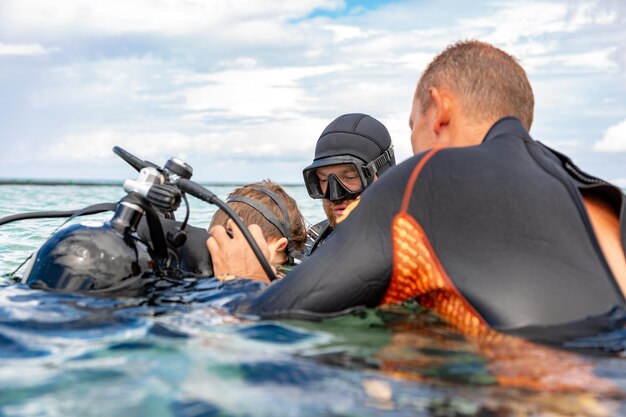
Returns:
(183, 355)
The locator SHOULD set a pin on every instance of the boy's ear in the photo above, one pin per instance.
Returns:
(281, 244)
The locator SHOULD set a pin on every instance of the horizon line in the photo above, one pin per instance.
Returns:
(102, 182)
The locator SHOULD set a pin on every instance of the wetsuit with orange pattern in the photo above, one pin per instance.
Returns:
(489, 236)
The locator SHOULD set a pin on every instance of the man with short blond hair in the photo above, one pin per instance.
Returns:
(484, 225)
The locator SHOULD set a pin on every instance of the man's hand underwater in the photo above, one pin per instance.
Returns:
(233, 255)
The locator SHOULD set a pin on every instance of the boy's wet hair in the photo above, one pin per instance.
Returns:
(250, 215)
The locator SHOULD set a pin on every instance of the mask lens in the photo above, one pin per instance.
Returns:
(312, 183)
(345, 172)
(336, 190)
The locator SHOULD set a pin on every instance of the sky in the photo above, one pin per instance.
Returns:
(241, 90)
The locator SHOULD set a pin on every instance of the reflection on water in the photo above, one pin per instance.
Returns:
(76, 355)
(414, 344)
(181, 353)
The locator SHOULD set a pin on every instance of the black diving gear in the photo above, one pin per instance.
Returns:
(189, 257)
(496, 233)
(104, 259)
(336, 190)
(139, 245)
(316, 235)
(365, 172)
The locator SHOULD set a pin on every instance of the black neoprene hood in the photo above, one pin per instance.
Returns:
(355, 134)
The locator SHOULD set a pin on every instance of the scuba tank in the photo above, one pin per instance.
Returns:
(108, 258)
(141, 244)
(96, 258)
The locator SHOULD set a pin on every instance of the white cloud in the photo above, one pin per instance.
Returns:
(258, 140)
(241, 103)
(565, 146)
(122, 88)
(594, 12)
(514, 21)
(343, 32)
(614, 139)
(534, 31)
(398, 126)
(25, 49)
(253, 92)
(261, 80)
(600, 60)
(165, 17)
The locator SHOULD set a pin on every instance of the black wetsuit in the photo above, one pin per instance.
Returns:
(504, 220)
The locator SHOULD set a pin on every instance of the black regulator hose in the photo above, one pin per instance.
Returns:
(94, 209)
(203, 194)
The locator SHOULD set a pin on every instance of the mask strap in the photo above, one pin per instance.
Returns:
(372, 168)
(292, 253)
(281, 207)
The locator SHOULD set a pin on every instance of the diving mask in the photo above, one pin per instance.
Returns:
(349, 181)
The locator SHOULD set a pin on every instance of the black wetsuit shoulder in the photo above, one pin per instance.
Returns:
(508, 223)
(505, 219)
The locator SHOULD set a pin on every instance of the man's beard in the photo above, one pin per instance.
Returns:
(329, 209)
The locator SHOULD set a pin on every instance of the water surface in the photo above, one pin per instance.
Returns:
(183, 355)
